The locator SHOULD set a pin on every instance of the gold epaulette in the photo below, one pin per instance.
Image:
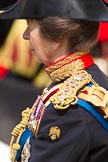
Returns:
(68, 91)
(97, 96)
(76, 87)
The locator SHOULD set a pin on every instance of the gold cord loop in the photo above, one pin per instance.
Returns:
(17, 132)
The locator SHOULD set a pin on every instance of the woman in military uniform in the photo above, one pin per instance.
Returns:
(69, 121)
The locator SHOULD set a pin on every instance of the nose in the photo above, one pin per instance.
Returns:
(26, 34)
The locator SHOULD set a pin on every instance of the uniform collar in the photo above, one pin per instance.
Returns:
(64, 67)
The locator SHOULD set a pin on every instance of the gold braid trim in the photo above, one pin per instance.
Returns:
(61, 63)
(66, 70)
(75, 87)
(67, 93)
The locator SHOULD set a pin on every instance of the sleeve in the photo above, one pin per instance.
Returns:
(62, 136)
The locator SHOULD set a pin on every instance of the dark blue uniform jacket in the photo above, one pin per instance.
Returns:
(82, 138)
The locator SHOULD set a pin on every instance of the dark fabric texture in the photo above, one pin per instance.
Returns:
(82, 138)
(4, 4)
(95, 10)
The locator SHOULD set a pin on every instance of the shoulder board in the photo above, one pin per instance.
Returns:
(68, 90)
(79, 85)
(97, 96)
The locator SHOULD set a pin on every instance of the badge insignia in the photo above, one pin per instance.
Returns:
(36, 116)
(25, 155)
(54, 133)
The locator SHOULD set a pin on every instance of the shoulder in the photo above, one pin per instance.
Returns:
(98, 76)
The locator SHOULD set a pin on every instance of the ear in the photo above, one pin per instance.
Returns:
(55, 45)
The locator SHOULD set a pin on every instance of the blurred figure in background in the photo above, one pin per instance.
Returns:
(5, 26)
(15, 55)
(100, 51)
(103, 43)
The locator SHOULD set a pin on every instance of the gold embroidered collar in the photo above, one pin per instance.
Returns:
(63, 68)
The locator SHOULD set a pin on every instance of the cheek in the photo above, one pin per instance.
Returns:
(35, 40)
(32, 42)
(32, 36)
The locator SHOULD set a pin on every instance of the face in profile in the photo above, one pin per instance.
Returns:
(39, 45)
(45, 48)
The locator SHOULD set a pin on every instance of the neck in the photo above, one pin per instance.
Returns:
(60, 52)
